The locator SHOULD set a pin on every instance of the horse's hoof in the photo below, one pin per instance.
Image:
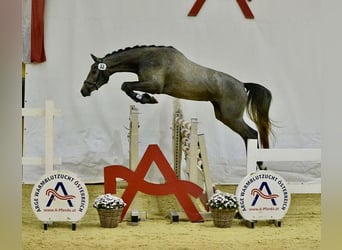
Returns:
(262, 168)
(153, 100)
(146, 98)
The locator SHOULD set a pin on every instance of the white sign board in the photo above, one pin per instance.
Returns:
(263, 195)
(59, 196)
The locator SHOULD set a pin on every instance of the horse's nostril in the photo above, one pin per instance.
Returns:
(84, 93)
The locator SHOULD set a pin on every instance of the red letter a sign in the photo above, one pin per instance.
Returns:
(136, 182)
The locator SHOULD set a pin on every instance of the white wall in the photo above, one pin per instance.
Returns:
(281, 49)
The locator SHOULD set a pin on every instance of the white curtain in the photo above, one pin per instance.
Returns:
(280, 49)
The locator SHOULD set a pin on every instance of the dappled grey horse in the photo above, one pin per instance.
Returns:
(165, 70)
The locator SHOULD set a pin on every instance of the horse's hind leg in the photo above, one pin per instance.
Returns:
(246, 132)
(234, 120)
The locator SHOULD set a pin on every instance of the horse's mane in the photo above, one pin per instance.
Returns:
(137, 47)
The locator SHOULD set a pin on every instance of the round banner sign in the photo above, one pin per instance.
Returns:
(59, 196)
(263, 195)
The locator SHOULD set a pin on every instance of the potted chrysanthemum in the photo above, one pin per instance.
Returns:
(223, 208)
(109, 208)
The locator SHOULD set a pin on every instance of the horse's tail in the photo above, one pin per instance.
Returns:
(258, 106)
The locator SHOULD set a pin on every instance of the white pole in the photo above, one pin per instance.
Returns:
(205, 163)
(193, 152)
(133, 138)
(49, 109)
(251, 156)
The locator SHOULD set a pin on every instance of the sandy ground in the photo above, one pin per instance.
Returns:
(300, 229)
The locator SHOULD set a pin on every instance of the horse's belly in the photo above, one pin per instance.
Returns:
(194, 92)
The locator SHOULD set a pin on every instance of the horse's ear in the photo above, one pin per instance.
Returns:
(95, 58)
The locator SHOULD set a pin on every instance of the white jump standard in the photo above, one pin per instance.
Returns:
(186, 139)
(48, 113)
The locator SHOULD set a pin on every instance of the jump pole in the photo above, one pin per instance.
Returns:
(133, 138)
(177, 145)
(255, 154)
(196, 175)
(187, 139)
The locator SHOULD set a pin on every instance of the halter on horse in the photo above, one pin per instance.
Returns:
(165, 70)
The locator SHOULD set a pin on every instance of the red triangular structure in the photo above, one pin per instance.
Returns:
(136, 182)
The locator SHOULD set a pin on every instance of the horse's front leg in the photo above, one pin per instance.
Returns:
(130, 87)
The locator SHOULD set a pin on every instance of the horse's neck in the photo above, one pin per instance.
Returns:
(123, 62)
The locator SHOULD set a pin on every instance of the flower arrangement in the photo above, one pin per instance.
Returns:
(108, 201)
(222, 200)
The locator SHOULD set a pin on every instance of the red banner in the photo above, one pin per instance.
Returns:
(37, 31)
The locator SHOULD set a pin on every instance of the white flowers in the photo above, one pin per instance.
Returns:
(108, 201)
(222, 200)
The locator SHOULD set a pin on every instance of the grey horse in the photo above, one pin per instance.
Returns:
(165, 70)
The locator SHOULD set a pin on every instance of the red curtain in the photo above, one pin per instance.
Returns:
(37, 31)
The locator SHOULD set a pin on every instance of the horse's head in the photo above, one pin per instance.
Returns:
(97, 76)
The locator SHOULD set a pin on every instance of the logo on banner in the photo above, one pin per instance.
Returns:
(59, 196)
(257, 192)
(54, 194)
(263, 195)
